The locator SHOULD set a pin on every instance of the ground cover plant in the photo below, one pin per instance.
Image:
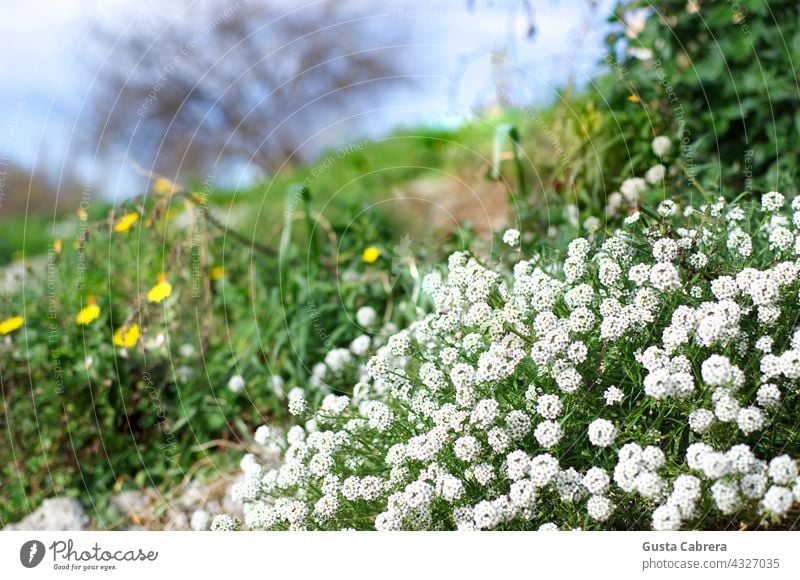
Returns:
(643, 378)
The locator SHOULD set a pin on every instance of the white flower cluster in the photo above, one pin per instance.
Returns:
(630, 191)
(645, 370)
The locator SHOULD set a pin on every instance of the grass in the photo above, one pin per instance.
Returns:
(290, 250)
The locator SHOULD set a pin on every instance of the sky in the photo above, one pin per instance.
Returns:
(46, 78)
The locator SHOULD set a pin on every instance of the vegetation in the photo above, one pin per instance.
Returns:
(142, 343)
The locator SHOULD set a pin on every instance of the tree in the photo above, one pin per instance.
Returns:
(204, 83)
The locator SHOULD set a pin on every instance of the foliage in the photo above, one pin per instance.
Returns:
(646, 377)
(92, 408)
(716, 77)
(275, 296)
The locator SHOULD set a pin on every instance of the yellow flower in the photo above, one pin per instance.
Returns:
(82, 214)
(161, 290)
(634, 99)
(9, 325)
(217, 273)
(89, 313)
(127, 336)
(126, 221)
(163, 186)
(58, 245)
(370, 255)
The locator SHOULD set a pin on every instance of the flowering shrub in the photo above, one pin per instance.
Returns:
(645, 379)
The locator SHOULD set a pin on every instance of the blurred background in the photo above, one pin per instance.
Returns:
(243, 89)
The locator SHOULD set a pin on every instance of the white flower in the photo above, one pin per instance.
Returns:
(665, 250)
(548, 434)
(701, 420)
(783, 470)
(666, 518)
(625, 474)
(772, 201)
(511, 238)
(610, 273)
(653, 458)
(449, 488)
(498, 440)
(777, 500)
(649, 484)
(298, 406)
(581, 320)
(750, 420)
(522, 494)
(380, 416)
(569, 380)
(236, 383)
(485, 413)
(655, 175)
(596, 480)
(467, 448)
(632, 218)
(631, 188)
(263, 434)
(768, 395)
(518, 425)
(599, 508)
(543, 469)
(578, 248)
(360, 345)
(726, 496)
(548, 527)
(549, 406)
(715, 465)
(276, 383)
(592, 224)
(337, 359)
(664, 277)
(517, 465)
(667, 208)
(753, 485)
(717, 371)
(366, 316)
(399, 344)
(695, 454)
(739, 242)
(726, 407)
(326, 507)
(484, 474)
(630, 453)
(224, 523)
(661, 145)
(613, 395)
(741, 458)
(602, 432)
(485, 515)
